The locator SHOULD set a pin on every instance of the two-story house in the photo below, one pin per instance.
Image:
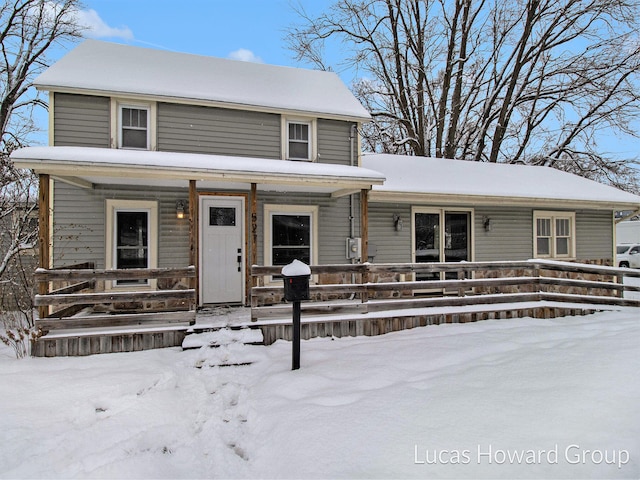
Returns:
(263, 160)
(162, 159)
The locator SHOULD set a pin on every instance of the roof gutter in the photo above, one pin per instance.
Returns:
(494, 200)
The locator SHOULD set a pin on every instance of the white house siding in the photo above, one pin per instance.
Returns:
(218, 131)
(79, 224)
(81, 120)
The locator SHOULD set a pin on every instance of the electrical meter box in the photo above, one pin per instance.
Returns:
(354, 248)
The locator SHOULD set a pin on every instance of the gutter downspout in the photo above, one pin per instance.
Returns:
(352, 219)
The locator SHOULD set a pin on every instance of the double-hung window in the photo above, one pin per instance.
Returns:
(290, 234)
(554, 234)
(299, 139)
(134, 127)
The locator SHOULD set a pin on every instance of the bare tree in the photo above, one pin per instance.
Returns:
(531, 81)
(28, 31)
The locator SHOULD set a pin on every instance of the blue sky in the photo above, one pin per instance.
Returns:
(244, 29)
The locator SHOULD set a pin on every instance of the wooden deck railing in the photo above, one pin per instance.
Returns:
(383, 287)
(121, 306)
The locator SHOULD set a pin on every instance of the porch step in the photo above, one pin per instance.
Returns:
(225, 347)
(223, 336)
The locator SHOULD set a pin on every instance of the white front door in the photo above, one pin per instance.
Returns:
(221, 249)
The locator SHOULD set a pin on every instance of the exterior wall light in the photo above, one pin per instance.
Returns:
(486, 223)
(180, 209)
(397, 222)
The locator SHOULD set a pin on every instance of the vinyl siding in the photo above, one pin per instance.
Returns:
(594, 235)
(334, 142)
(218, 131)
(511, 235)
(79, 233)
(81, 120)
(390, 246)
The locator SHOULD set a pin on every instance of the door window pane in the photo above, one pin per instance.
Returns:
(222, 216)
(456, 248)
(291, 238)
(427, 241)
(132, 242)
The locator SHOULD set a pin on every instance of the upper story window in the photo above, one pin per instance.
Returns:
(133, 124)
(554, 234)
(299, 136)
(299, 139)
(134, 127)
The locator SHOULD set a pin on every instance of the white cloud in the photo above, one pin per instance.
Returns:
(245, 55)
(97, 28)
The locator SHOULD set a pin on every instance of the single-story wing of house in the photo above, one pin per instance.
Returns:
(453, 210)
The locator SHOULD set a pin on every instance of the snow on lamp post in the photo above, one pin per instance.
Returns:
(296, 288)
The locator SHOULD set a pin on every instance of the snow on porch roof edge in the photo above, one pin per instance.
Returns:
(90, 161)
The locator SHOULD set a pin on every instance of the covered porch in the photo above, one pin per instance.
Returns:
(204, 180)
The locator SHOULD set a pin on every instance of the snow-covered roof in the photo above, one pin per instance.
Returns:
(109, 68)
(141, 167)
(464, 182)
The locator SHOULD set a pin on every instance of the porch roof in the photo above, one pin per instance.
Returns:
(86, 166)
(441, 181)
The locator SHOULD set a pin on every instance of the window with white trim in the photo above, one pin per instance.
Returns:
(299, 139)
(132, 233)
(133, 124)
(554, 234)
(290, 234)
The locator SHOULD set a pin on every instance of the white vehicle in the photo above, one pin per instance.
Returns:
(628, 255)
(628, 232)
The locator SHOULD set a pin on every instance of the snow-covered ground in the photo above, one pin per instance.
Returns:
(520, 398)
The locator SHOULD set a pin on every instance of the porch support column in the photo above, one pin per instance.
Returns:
(253, 248)
(364, 224)
(193, 235)
(44, 235)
